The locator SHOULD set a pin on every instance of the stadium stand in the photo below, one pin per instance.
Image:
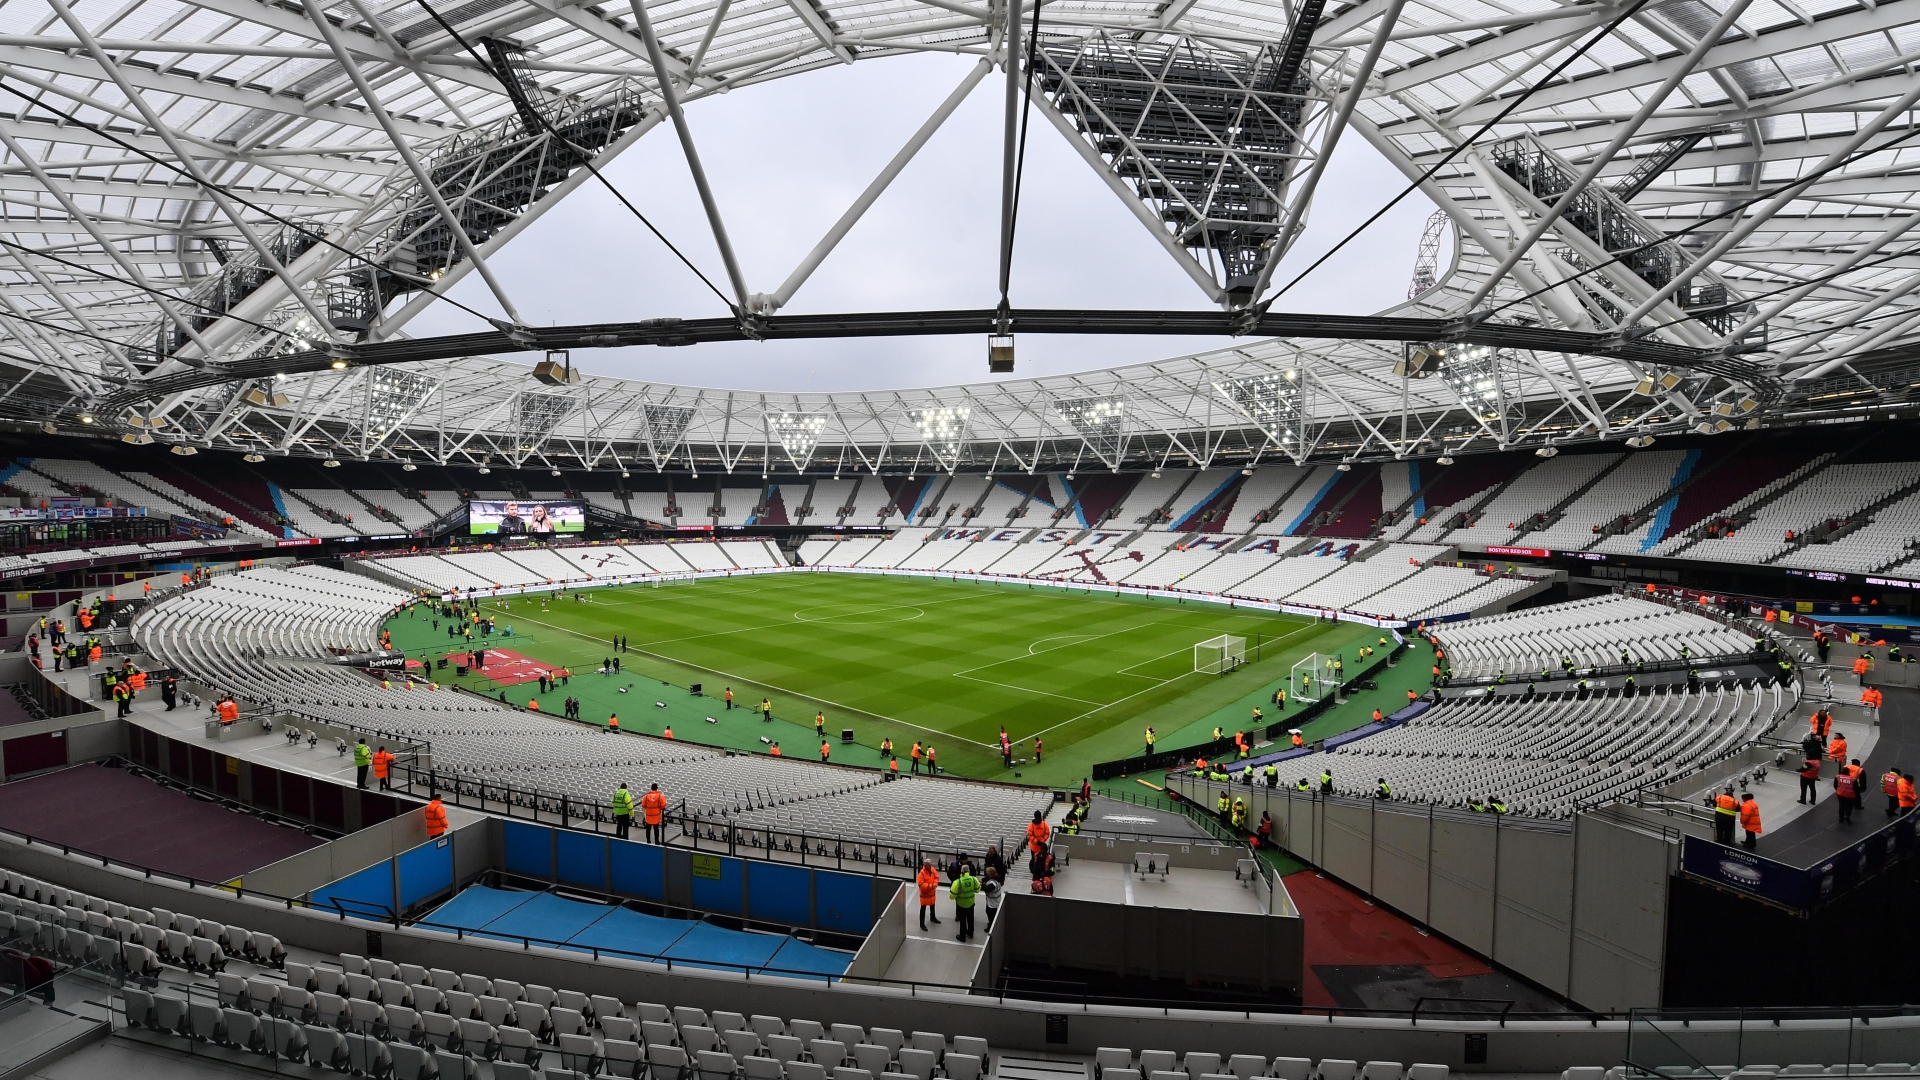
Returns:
(1826, 499)
(1267, 486)
(1616, 496)
(1551, 754)
(264, 634)
(1296, 509)
(1144, 506)
(1534, 492)
(1591, 632)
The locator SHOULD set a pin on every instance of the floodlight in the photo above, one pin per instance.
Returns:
(253, 458)
(999, 354)
(1443, 459)
(556, 369)
(408, 466)
(331, 463)
(184, 450)
(1546, 451)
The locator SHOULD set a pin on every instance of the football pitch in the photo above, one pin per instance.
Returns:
(945, 662)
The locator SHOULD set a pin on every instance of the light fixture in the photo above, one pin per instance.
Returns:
(339, 363)
(136, 438)
(556, 472)
(1246, 472)
(484, 470)
(1156, 474)
(49, 427)
(1069, 476)
(86, 418)
(1547, 451)
(999, 354)
(408, 466)
(331, 463)
(1443, 459)
(623, 474)
(184, 450)
(1640, 442)
(1345, 466)
(556, 369)
(254, 457)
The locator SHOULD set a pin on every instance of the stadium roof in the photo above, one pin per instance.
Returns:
(215, 209)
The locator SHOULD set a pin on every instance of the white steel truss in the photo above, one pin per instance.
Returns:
(197, 182)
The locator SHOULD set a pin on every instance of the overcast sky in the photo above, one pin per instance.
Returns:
(788, 157)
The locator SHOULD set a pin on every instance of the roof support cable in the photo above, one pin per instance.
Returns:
(1432, 170)
(303, 229)
(581, 155)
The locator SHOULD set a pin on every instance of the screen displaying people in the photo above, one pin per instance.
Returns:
(524, 517)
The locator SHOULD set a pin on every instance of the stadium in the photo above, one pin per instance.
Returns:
(434, 649)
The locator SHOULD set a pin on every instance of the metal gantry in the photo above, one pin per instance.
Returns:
(211, 186)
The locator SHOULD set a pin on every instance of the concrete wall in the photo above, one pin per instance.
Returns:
(1579, 909)
(298, 875)
(877, 953)
(1008, 1024)
(1154, 942)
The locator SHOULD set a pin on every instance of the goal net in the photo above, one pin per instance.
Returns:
(1306, 678)
(1219, 655)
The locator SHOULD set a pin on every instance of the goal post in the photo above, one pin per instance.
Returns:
(1304, 680)
(1219, 655)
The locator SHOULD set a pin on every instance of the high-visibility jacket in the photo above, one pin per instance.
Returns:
(1750, 816)
(1811, 770)
(382, 761)
(653, 804)
(1724, 803)
(436, 818)
(928, 880)
(1906, 796)
(1038, 833)
(1860, 665)
(1822, 722)
(963, 890)
(138, 680)
(1845, 786)
(622, 803)
(362, 754)
(916, 752)
(1837, 750)
(229, 711)
(93, 654)
(1890, 783)
(893, 766)
(1224, 804)
(1239, 814)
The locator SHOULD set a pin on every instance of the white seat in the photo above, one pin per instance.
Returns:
(1338, 1069)
(963, 1066)
(1381, 1070)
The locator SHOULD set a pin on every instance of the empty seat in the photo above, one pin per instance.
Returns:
(683, 1015)
(806, 1030)
(1291, 1068)
(1338, 1069)
(286, 1039)
(243, 1029)
(891, 1038)
(726, 1021)
(784, 1048)
(1419, 1071)
(326, 1047)
(477, 1038)
(742, 1044)
(498, 1010)
(827, 1053)
(970, 1044)
(666, 1062)
(764, 1026)
(578, 1054)
(964, 1066)
(621, 1057)
(914, 1062)
(605, 1007)
(476, 984)
(441, 1030)
(403, 1024)
(1153, 1061)
(714, 1065)
(698, 1037)
(1245, 1066)
(872, 1058)
(517, 1044)
(535, 1019)
(762, 1068)
(805, 1070)
(412, 1062)
(851, 1034)
(1196, 1064)
(567, 1021)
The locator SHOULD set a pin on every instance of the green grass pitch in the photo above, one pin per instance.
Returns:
(947, 662)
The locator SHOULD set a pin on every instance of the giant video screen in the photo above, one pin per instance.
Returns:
(525, 517)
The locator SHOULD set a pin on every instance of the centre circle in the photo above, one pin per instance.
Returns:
(858, 615)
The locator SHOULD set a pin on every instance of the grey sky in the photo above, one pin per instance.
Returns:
(788, 157)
